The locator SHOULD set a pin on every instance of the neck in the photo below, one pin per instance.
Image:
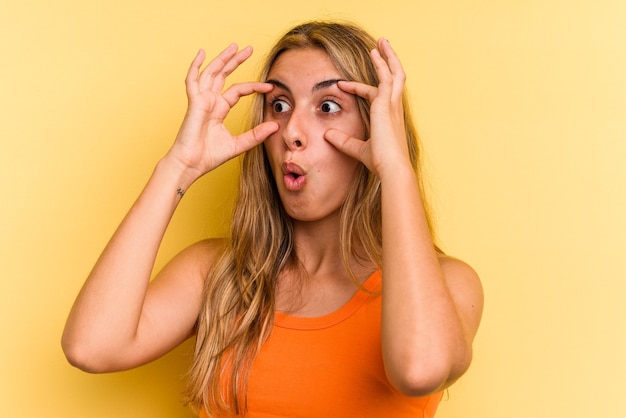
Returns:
(318, 246)
(318, 249)
(321, 283)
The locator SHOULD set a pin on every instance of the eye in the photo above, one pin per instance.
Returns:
(329, 106)
(280, 106)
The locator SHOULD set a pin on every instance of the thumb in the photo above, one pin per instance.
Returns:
(347, 144)
(255, 136)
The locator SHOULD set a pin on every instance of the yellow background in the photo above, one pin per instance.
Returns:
(521, 107)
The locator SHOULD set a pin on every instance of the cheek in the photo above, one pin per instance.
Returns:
(272, 145)
(344, 168)
(273, 149)
(354, 126)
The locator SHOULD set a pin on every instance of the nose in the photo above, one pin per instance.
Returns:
(294, 134)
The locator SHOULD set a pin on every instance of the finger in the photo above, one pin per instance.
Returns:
(254, 136)
(214, 67)
(385, 80)
(360, 89)
(394, 65)
(237, 91)
(236, 61)
(347, 144)
(194, 68)
(214, 75)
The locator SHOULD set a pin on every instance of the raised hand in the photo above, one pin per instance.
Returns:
(203, 142)
(386, 147)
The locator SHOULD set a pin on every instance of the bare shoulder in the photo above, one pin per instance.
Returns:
(179, 285)
(203, 253)
(174, 299)
(465, 288)
(193, 263)
(458, 270)
(199, 257)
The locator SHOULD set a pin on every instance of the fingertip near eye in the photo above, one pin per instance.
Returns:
(275, 125)
(266, 87)
(266, 129)
(346, 86)
(334, 135)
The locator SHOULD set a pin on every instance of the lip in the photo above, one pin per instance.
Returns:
(294, 176)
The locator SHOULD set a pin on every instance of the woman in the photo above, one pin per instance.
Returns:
(291, 314)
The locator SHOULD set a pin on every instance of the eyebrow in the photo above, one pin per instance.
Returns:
(325, 84)
(319, 86)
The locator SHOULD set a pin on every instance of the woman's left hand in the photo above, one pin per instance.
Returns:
(387, 146)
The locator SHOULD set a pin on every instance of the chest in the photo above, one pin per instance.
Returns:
(314, 296)
(309, 364)
(327, 366)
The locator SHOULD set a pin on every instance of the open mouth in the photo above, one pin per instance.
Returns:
(292, 169)
(293, 176)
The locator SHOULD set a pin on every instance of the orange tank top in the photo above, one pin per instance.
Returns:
(330, 366)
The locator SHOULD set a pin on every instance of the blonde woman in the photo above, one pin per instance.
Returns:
(329, 298)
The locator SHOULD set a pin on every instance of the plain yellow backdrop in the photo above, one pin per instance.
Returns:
(521, 106)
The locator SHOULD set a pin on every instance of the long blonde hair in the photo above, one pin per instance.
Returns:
(238, 310)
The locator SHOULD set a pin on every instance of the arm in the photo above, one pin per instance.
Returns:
(120, 320)
(431, 304)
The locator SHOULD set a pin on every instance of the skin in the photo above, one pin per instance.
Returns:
(305, 107)
(432, 304)
(306, 102)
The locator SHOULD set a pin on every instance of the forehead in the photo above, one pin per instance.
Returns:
(303, 65)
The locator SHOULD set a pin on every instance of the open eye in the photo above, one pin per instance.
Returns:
(280, 106)
(328, 106)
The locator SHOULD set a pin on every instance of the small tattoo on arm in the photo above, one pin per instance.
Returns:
(180, 192)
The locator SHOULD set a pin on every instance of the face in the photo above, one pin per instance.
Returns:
(312, 176)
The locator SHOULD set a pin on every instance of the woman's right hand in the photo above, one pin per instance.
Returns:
(122, 319)
(203, 142)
